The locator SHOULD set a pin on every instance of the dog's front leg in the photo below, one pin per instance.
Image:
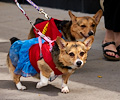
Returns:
(65, 78)
(43, 81)
(45, 72)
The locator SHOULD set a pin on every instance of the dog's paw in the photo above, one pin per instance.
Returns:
(65, 89)
(20, 86)
(41, 84)
(38, 85)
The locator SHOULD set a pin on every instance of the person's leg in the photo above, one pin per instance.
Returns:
(109, 35)
(109, 14)
(116, 23)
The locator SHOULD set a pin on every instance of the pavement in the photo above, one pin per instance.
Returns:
(84, 84)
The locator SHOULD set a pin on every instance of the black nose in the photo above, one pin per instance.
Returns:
(78, 63)
(90, 33)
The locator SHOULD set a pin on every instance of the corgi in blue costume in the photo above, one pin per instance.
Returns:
(67, 57)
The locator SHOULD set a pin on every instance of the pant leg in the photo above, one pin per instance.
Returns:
(108, 14)
(111, 15)
(116, 18)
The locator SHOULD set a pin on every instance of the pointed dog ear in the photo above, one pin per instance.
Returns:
(72, 16)
(61, 43)
(98, 16)
(88, 42)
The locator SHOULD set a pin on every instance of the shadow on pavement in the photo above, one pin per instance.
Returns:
(49, 90)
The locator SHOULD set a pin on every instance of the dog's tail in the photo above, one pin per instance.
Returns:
(13, 39)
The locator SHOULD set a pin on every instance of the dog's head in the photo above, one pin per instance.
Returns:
(74, 54)
(83, 27)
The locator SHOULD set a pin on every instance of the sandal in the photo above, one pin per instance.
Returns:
(108, 57)
(118, 49)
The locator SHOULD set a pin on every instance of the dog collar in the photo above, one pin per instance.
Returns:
(67, 67)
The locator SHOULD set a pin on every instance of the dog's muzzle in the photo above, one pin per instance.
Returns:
(83, 35)
(78, 62)
(89, 34)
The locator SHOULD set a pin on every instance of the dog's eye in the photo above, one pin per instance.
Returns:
(72, 54)
(83, 26)
(93, 25)
(82, 53)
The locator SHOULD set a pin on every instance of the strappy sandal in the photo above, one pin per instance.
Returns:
(108, 57)
(118, 49)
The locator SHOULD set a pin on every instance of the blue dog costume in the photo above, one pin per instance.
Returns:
(19, 55)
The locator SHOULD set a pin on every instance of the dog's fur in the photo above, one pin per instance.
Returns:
(77, 28)
(72, 54)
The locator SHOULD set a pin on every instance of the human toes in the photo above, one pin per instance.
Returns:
(117, 56)
(110, 53)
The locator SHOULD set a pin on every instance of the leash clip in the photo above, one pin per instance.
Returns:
(41, 11)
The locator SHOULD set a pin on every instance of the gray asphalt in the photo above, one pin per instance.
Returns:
(84, 84)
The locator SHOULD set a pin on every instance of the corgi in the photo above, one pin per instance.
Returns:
(78, 28)
(67, 56)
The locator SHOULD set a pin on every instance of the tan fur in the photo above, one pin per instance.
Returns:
(79, 49)
(76, 48)
(16, 78)
(31, 34)
(44, 68)
(83, 25)
(65, 77)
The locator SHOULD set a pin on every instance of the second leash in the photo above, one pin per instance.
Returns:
(41, 11)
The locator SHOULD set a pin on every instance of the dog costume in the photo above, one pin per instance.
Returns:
(25, 54)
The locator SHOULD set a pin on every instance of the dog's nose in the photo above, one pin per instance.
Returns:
(90, 33)
(78, 63)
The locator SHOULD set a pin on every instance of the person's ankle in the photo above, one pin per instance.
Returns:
(107, 40)
(109, 36)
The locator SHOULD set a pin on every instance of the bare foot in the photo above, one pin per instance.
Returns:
(113, 48)
(110, 37)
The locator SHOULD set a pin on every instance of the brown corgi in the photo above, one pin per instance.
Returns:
(66, 56)
(83, 27)
(75, 29)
